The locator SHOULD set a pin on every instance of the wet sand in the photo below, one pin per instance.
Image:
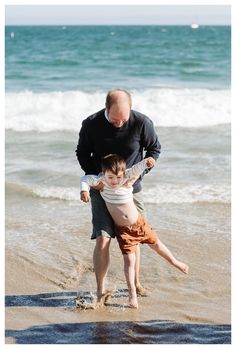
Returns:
(40, 307)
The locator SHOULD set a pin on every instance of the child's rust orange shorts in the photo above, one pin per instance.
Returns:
(138, 233)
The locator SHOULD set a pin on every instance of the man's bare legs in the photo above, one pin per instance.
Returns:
(129, 269)
(163, 251)
(101, 260)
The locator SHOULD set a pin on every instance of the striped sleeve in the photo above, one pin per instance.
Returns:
(88, 181)
(136, 170)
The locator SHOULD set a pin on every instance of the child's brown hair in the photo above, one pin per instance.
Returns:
(114, 163)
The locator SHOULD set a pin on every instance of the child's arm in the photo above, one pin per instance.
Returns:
(136, 170)
(86, 182)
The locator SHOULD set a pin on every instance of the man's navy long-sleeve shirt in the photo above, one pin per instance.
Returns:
(98, 138)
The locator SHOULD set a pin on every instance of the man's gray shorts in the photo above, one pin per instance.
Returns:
(103, 224)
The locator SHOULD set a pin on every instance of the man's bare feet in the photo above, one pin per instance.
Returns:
(101, 301)
(141, 291)
(181, 266)
(104, 297)
(81, 303)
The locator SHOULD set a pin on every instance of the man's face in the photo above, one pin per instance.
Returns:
(119, 115)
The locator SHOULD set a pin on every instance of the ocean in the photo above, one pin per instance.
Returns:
(55, 76)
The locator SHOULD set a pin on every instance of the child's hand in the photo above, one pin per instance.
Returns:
(84, 196)
(150, 162)
(99, 186)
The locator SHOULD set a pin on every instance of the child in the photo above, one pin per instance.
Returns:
(131, 227)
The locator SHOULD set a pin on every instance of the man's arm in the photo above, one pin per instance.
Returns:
(84, 149)
(150, 141)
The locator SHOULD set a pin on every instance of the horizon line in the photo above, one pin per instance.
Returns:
(118, 24)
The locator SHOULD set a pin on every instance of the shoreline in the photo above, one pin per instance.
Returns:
(38, 310)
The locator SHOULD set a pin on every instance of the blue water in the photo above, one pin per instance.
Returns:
(97, 58)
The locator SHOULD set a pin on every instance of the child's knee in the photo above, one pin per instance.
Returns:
(129, 259)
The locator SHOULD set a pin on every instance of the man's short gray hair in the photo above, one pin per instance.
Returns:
(111, 97)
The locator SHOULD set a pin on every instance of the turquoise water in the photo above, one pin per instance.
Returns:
(90, 58)
(55, 75)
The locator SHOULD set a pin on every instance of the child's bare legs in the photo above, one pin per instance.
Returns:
(129, 269)
(140, 290)
(137, 266)
(163, 251)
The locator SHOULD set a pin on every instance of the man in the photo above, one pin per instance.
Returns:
(119, 130)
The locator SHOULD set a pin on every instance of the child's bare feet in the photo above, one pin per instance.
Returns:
(181, 266)
(133, 301)
(133, 305)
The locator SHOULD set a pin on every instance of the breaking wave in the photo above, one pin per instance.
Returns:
(168, 107)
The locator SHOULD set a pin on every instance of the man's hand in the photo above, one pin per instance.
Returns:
(84, 196)
(150, 162)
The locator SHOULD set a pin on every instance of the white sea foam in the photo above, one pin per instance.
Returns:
(56, 111)
(68, 194)
(170, 193)
(167, 193)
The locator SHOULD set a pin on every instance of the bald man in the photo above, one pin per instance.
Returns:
(116, 129)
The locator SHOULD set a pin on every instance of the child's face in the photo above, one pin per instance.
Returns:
(113, 180)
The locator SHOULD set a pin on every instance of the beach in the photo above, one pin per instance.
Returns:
(40, 296)
(187, 195)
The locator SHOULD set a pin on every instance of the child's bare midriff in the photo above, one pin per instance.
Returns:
(123, 214)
